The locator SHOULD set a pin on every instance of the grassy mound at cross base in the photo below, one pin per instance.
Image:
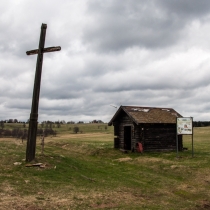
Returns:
(83, 171)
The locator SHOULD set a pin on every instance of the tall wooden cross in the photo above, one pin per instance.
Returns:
(32, 131)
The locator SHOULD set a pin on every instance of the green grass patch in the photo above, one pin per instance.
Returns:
(83, 171)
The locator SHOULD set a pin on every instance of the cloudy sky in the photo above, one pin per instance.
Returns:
(132, 52)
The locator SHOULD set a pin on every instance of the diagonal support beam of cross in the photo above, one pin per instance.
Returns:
(32, 131)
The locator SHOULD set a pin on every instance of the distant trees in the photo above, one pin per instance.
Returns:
(51, 124)
(97, 121)
(23, 133)
(12, 121)
(70, 122)
(58, 124)
(15, 121)
(48, 123)
(80, 122)
(47, 128)
(46, 132)
(201, 123)
(15, 133)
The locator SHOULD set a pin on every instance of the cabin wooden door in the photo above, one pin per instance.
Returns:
(127, 137)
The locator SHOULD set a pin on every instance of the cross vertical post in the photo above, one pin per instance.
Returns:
(32, 131)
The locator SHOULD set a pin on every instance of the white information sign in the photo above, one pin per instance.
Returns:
(184, 126)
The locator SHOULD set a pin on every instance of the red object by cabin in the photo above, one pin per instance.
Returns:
(139, 147)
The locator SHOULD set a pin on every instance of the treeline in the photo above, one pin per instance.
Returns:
(51, 122)
(23, 133)
(201, 123)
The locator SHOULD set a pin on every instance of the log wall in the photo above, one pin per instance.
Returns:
(159, 137)
(152, 136)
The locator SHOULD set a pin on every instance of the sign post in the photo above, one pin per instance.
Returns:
(184, 126)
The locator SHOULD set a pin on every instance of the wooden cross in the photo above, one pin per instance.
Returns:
(32, 131)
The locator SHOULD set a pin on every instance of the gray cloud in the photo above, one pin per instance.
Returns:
(187, 8)
(117, 25)
(146, 53)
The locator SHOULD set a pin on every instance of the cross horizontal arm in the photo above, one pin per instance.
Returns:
(45, 50)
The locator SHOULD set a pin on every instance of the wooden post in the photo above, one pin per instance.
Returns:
(192, 139)
(42, 143)
(177, 142)
(32, 132)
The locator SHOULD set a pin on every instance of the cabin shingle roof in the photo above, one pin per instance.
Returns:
(148, 114)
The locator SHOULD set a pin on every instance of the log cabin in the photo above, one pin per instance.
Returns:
(153, 128)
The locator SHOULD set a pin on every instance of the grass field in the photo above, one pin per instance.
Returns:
(83, 171)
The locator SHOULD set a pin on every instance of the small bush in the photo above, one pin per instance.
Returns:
(76, 129)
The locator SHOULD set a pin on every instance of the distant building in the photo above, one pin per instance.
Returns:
(154, 128)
